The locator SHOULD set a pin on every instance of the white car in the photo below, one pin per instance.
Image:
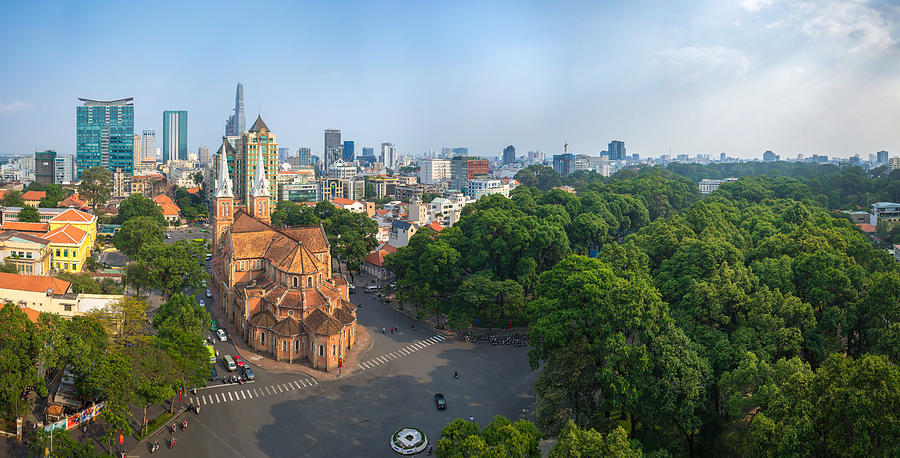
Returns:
(222, 336)
(201, 302)
(208, 293)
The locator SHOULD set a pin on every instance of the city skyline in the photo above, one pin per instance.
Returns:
(706, 77)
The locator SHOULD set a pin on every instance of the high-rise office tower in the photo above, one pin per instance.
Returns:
(244, 160)
(389, 155)
(174, 135)
(882, 157)
(349, 145)
(236, 125)
(148, 144)
(283, 154)
(463, 169)
(305, 156)
(203, 155)
(137, 150)
(333, 147)
(65, 169)
(45, 167)
(616, 150)
(509, 154)
(104, 135)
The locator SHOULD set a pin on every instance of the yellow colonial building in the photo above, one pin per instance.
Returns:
(80, 220)
(69, 248)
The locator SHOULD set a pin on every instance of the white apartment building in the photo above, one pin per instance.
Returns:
(477, 188)
(65, 169)
(342, 171)
(707, 186)
(432, 171)
(446, 210)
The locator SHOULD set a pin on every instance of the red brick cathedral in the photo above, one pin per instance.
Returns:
(276, 284)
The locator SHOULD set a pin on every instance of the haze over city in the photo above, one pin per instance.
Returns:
(688, 77)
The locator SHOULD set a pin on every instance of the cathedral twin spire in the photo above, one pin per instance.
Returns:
(260, 182)
(223, 182)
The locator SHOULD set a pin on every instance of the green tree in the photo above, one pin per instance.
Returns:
(137, 232)
(13, 199)
(63, 445)
(461, 438)
(181, 323)
(54, 195)
(20, 346)
(370, 191)
(173, 268)
(29, 214)
(9, 268)
(197, 178)
(289, 214)
(95, 186)
(136, 205)
(574, 442)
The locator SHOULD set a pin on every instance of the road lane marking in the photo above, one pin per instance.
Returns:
(229, 396)
(258, 392)
(381, 358)
(314, 381)
(204, 400)
(243, 395)
(249, 394)
(298, 385)
(440, 337)
(217, 398)
(285, 387)
(267, 390)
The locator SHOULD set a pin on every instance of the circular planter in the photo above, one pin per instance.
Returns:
(409, 441)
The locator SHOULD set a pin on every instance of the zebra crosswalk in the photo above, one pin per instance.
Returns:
(397, 354)
(248, 393)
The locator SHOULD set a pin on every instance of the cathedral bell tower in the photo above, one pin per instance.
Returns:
(223, 201)
(259, 199)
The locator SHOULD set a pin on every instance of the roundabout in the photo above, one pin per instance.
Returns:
(409, 441)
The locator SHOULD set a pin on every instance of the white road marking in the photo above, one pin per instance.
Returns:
(243, 395)
(204, 400)
(314, 382)
(250, 394)
(298, 385)
(229, 396)
(217, 398)
(267, 390)
(440, 337)
(258, 392)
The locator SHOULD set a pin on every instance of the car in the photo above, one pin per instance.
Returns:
(214, 375)
(352, 289)
(201, 302)
(440, 401)
(208, 293)
(239, 361)
(248, 373)
(203, 282)
(213, 326)
(228, 362)
(222, 336)
(168, 236)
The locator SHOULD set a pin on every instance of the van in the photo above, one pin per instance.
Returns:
(371, 289)
(228, 362)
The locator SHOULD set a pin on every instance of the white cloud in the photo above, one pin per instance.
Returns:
(855, 25)
(13, 106)
(691, 64)
(755, 5)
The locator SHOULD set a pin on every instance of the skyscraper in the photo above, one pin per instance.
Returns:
(203, 155)
(283, 154)
(243, 161)
(304, 155)
(236, 125)
(148, 144)
(389, 155)
(509, 154)
(175, 131)
(348, 150)
(333, 147)
(137, 150)
(104, 135)
(45, 167)
(616, 150)
(882, 157)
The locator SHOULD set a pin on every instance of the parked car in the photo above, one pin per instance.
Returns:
(208, 293)
(352, 289)
(440, 402)
(239, 361)
(222, 336)
(214, 375)
(213, 326)
(248, 373)
(201, 302)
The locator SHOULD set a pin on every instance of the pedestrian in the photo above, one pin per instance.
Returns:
(382, 330)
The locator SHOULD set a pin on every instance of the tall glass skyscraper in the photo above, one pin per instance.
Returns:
(104, 135)
(349, 145)
(333, 147)
(236, 125)
(175, 133)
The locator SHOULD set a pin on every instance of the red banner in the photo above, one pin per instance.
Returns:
(340, 362)
(121, 438)
(179, 396)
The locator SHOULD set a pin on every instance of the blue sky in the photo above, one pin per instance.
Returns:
(736, 76)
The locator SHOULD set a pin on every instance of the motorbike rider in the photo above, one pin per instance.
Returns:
(184, 424)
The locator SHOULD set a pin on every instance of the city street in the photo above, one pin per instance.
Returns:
(292, 414)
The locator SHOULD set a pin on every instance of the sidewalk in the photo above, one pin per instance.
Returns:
(363, 343)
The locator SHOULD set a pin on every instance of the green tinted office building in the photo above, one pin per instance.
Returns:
(104, 135)
(175, 131)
